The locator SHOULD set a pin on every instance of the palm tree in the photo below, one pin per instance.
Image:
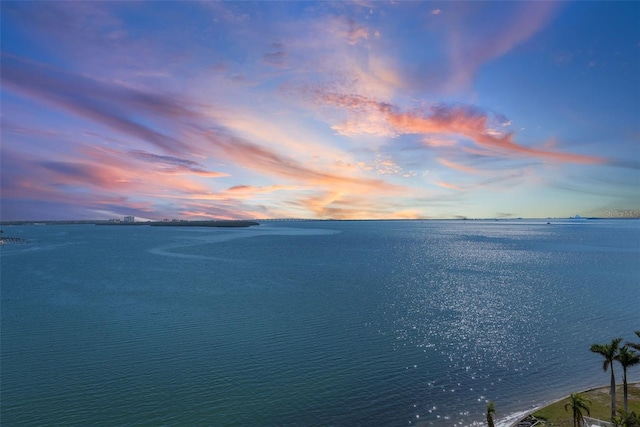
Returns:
(635, 345)
(577, 403)
(626, 419)
(491, 410)
(609, 352)
(627, 358)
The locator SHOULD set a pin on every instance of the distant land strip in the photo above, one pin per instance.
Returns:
(221, 223)
(217, 223)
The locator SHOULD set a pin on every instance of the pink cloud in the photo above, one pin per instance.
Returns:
(175, 165)
(356, 33)
(462, 120)
(473, 124)
(271, 163)
(347, 29)
(63, 189)
(113, 106)
(333, 204)
(448, 185)
(175, 131)
(472, 49)
(459, 167)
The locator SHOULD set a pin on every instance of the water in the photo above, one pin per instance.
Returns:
(309, 323)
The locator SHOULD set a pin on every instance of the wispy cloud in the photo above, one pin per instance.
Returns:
(449, 185)
(112, 106)
(481, 127)
(175, 165)
(473, 123)
(277, 56)
(471, 47)
(269, 162)
(459, 167)
(329, 109)
(170, 126)
(347, 29)
(334, 204)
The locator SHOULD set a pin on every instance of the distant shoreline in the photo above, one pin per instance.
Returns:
(246, 223)
(230, 223)
(216, 223)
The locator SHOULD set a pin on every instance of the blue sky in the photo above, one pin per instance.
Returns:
(344, 110)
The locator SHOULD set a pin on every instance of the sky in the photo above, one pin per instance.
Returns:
(319, 110)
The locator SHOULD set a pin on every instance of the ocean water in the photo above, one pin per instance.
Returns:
(367, 323)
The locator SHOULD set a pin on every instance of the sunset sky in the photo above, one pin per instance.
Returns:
(363, 109)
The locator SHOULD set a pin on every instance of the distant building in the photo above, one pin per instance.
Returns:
(114, 221)
(129, 219)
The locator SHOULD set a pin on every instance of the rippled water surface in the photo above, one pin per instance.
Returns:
(309, 323)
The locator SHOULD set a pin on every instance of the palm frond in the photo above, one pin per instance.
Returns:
(628, 357)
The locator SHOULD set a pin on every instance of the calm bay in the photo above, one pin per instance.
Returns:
(317, 323)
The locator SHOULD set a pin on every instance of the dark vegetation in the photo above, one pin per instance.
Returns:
(618, 411)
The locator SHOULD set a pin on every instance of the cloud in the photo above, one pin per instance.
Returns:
(459, 167)
(437, 141)
(386, 166)
(231, 108)
(348, 30)
(356, 33)
(73, 172)
(448, 185)
(175, 165)
(80, 25)
(271, 163)
(277, 56)
(471, 122)
(55, 189)
(251, 189)
(474, 37)
(101, 182)
(112, 106)
(177, 130)
(337, 205)
(366, 116)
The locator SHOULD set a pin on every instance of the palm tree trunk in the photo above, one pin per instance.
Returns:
(613, 393)
(624, 381)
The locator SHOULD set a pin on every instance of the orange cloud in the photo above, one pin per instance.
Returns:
(448, 185)
(271, 163)
(168, 176)
(463, 120)
(337, 205)
(434, 141)
(473, 125)
(459, 167)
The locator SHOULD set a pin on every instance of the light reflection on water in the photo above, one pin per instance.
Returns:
(322, 323)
